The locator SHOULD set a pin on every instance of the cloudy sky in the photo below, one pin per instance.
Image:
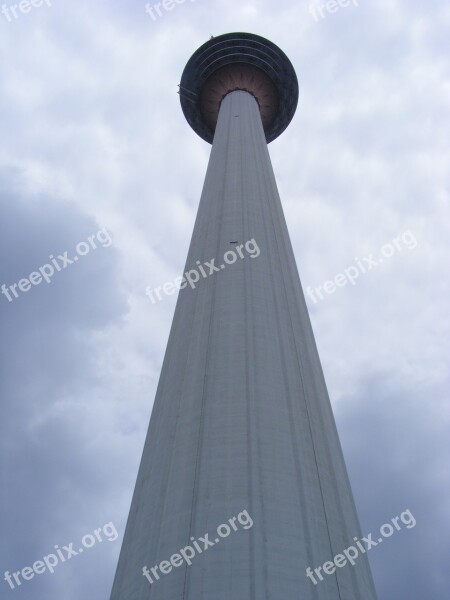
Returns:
(94, 145)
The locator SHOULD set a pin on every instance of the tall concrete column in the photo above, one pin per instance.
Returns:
(242, 420)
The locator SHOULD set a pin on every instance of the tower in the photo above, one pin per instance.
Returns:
(242, 425)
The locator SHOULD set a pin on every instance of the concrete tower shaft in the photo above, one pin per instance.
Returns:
(242, 418)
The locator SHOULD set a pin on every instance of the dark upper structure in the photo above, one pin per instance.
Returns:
(238, 61)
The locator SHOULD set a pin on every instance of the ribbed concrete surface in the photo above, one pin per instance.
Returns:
(242, 418)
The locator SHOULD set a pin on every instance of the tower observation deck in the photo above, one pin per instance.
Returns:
(239, 61)
(242, 469)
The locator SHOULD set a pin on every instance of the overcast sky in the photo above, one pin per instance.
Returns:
(94, 143)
